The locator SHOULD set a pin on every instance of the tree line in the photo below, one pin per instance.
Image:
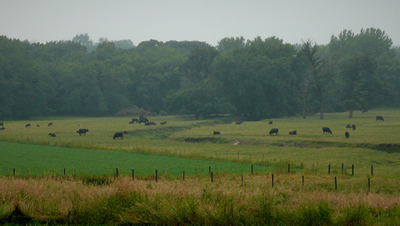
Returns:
(253, 79)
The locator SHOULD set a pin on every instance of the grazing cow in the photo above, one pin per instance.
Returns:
(270, 122)
(239, 122)
(347, 135)
(326, 130)
(82, 131)
(134, 120)
(131, 122)
(293, 132)
(3, 128)
(37, 125)
(364, 111)
(149, 123)
(2, 124)
(143, 119)
(354, 127)
(273, 131)
(348, 126)
(216, 133)
(50, 124)
(52, 134)
(27, 125)
(118, 135)
(380, 118)
(163, 123)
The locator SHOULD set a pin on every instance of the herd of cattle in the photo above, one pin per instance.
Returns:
(325, 130)
(84, 131)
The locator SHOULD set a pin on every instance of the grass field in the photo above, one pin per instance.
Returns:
(185, 144)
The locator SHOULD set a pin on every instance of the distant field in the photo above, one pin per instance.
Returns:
(372, 143)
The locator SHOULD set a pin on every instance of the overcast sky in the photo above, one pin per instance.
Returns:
(199, 20)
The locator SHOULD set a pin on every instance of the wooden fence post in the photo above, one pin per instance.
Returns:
(183, 175)
(372, 170)
(64, 172)
(251, 169)
(212, 177)
(133, 174)
(14, 171)
(335, 184)
(272, 180)
(352, 170)
(302, 180)
(329, 169)
(369, 184)
(156, 175)
(116, 172)
(242, 178)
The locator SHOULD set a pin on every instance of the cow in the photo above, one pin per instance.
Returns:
(348, 126)
(326, 130)
(82, 131)
(52, 134)
(134, 120)
(293, 132)
(354, 127)
(270, 122)
(239, 122)
(273, 131)
(163, 123)
(27, 125)
(118, 135)
(2, 124)
(216, 133)
(3, 128)
(37, 125)
(143, 119)
(149, 123)
(364, 111)
(50, 124)
(380, 118)
(346, 134)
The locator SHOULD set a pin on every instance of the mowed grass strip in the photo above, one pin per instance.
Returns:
(32, 159)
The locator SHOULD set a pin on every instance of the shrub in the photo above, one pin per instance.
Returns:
(163, 113)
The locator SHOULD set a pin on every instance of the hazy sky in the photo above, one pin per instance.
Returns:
(200, 20)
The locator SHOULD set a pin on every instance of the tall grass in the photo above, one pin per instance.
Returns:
(50, 200)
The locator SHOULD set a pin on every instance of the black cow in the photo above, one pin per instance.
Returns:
(239, 122)
(347, 135)
(348, 126)
(163, 123)
(150, 124)
(52, 134)
(216, 133)
(37, 125)
(3, 128)
(50, 124)
(293, 132)
(143, 119)
(380, 118)
(270, 122)
(273, 131)
(134, 120)
(82, 131)
(27, 125)
(326, 130)
(354, 127)
(118, 135)
(2, 124)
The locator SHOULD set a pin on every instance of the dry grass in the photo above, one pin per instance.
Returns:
(196, 200)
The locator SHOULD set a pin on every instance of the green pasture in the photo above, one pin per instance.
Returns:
(372, 143)
(31, 159)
